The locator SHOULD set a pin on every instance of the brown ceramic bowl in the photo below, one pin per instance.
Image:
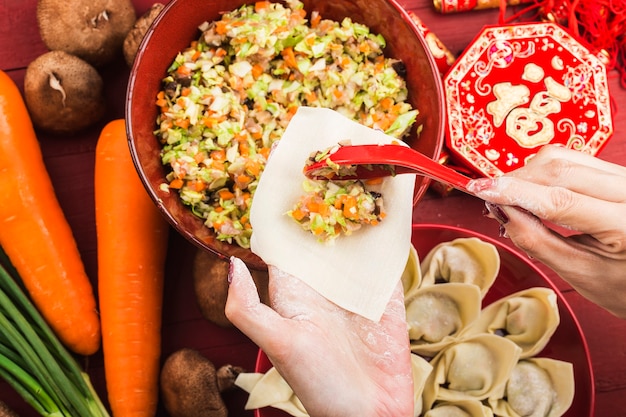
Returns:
(177, 26)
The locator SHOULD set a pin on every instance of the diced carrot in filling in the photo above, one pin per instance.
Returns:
(330, 209)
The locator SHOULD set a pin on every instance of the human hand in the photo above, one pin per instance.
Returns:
(586, 198)
(338, 363)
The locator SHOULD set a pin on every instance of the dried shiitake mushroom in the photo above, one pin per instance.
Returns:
(63, 93)
(210, 281)
(136, 34)
(191, 386)
(93, 30)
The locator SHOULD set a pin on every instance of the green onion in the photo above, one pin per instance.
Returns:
(33, 360)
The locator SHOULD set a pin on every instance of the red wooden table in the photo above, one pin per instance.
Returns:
(70, 162)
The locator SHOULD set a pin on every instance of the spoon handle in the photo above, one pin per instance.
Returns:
(402, 158)
(416, 162)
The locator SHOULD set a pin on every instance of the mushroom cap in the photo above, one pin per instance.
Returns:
(63, 93)
(189, 387)
(93, 30)
(210, 286)
(136, 34)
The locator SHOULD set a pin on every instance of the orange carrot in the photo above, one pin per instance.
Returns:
(374, 181)
(225, 194)
(218, 155)
(298, 214)
(184, 123)
(221, 27)
(261, 5)
(161, 101)
(183, 71)
(350, 208)
(177, 183)
(289, 57)
(253, 167)
(220, 52)
(386, 103)
(242, 181)
(316, 17)
(35, 234)
(132, 245)
(257, 71)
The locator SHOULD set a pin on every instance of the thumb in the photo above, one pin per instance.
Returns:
(244, 308)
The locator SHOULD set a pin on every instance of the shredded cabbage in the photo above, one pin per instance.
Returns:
(230, 95)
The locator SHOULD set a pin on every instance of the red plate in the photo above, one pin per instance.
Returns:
(519, 87)
(516, 273)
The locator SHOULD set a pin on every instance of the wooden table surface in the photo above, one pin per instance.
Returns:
(70, 163)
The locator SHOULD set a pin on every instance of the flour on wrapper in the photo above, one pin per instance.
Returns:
(358, 272)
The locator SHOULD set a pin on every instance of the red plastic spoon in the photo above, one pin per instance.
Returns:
(374, 161)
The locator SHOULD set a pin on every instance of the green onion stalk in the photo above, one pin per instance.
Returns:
(34, 362)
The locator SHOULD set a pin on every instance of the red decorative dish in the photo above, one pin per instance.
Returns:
(516, 273)
(519, 87)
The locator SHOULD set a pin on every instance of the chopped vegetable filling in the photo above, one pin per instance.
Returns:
(229, 96)
(330, 208)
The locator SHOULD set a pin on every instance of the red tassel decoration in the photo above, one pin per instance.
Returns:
(600, 24)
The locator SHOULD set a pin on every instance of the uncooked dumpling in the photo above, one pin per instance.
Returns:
(469, 260)
(412, 275)
(270, 390)
(528, 318)
(436, 314)
(462, 408)
(421, 369)
(358, 272)
(475, 368)
(538, 387)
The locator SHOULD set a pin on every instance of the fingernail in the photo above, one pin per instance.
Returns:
(231, 269)
(497, 212)
(502, 231)
(480, 184)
